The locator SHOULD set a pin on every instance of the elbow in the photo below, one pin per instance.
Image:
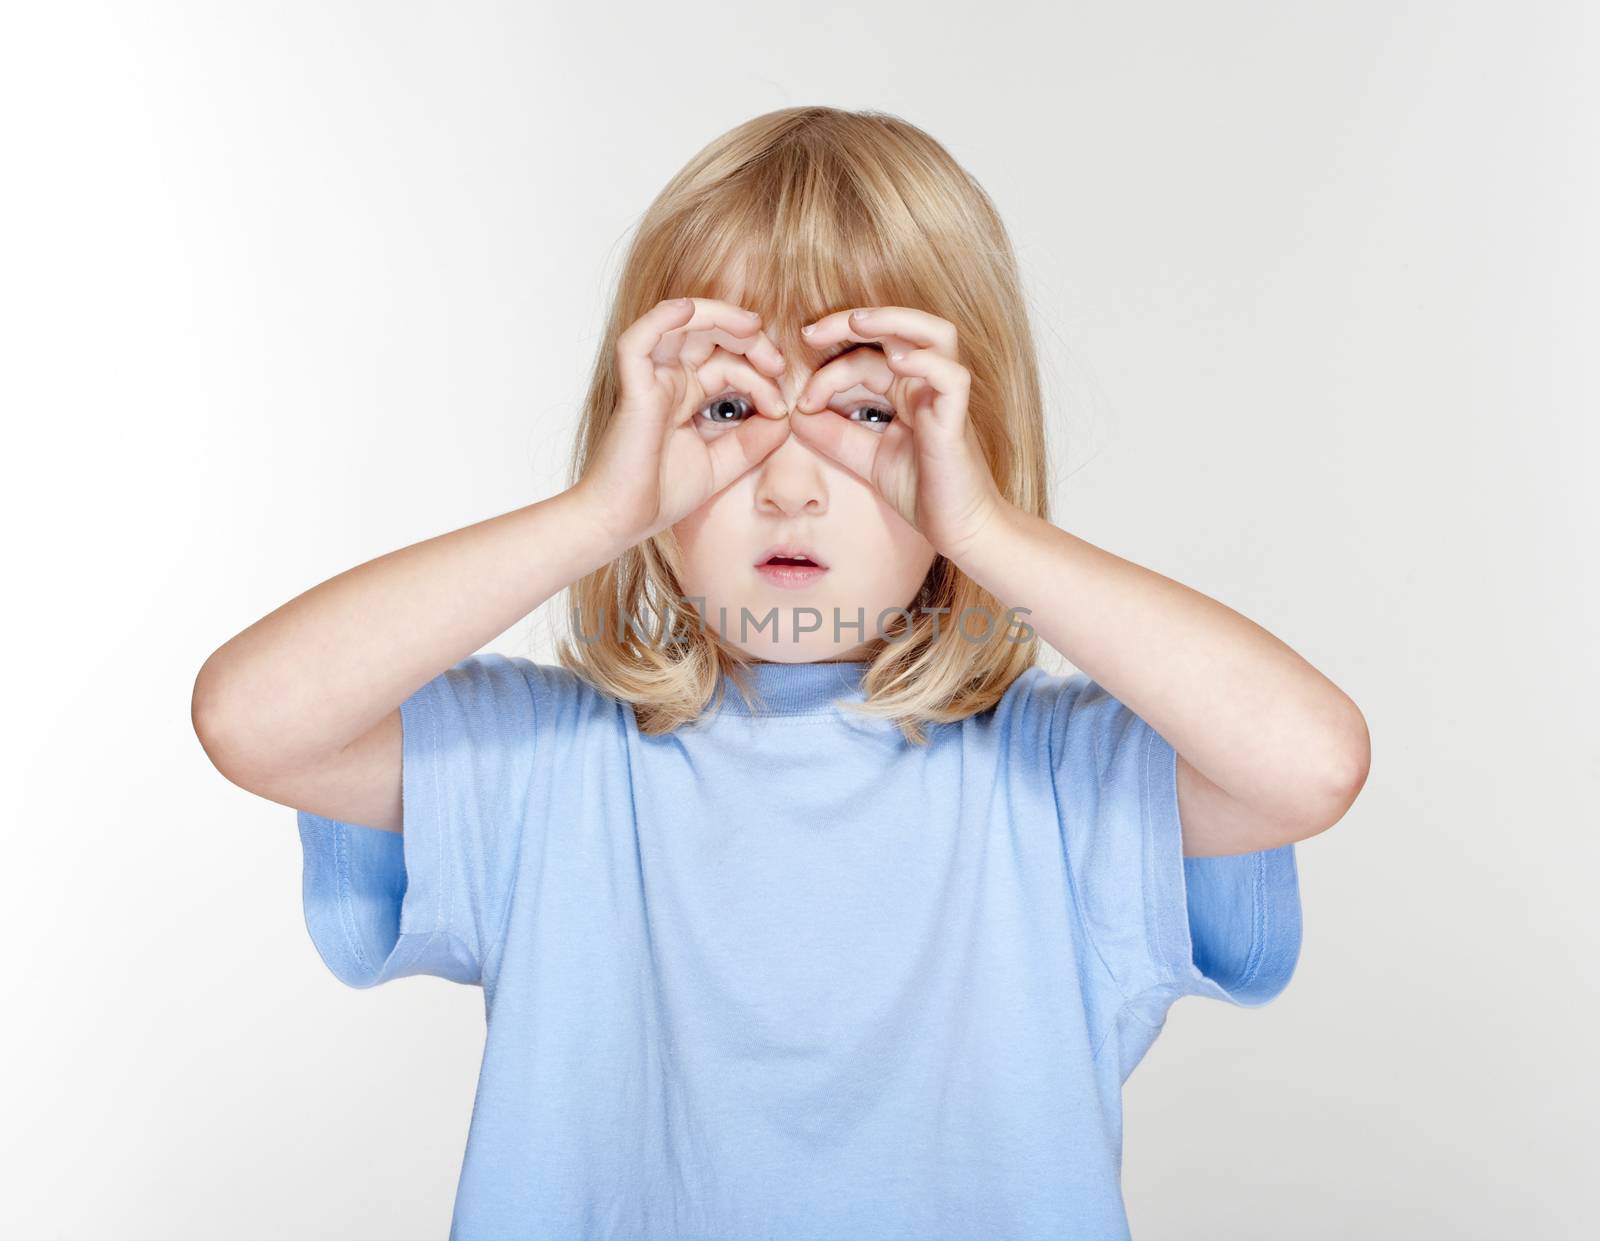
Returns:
(1347, 759)
(1355, 761)
(203, 708)
(209, 728)
(211, 717)
(206, 706)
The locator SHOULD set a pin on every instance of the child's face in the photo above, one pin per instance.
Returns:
(795, 497)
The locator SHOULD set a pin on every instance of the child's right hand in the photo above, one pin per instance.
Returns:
(661, 458)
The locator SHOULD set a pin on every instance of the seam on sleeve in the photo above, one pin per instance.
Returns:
(538, 697)
(1258, 924)
(1260, 927)
(350, 962)
(1128, 1010)
(1064, 827)
(1105, 1035)
(1169, 910)
(429, 744)
(1161, 995)
(445, 819)
(1155, 1000)
(1164, 941)
(341, 870)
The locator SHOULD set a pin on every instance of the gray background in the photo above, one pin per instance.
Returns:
(289, 286)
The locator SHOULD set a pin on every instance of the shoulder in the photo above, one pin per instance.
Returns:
(1068, 719)
(1043, 698)
(1028, 716)
(516, 686)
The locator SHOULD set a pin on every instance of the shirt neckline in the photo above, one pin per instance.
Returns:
(796, 689)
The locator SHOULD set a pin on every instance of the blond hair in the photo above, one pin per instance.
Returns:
(822, 210)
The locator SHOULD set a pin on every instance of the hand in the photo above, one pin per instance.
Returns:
(926, 462)
(654, 466)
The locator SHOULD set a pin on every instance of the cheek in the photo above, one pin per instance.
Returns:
(913, 557)
(708, 536)
(885, 546)
(890, 534)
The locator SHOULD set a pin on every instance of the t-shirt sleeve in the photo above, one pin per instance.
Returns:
(432, 898)
(1164, 925)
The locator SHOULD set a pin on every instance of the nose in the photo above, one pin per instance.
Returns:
(790, 480)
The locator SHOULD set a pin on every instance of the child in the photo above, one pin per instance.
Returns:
(803, 901)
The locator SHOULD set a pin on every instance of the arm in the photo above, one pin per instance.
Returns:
(303, 706)
(1269, 750)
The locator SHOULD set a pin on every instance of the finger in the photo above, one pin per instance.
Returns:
(849, 443)
(836, 328)
(914, 329)
(696, 347)
(865, 368)
(754, 439)
(636, 342)
(951, 383)
(657, 335)
(726, 372)
(717, 322)
(923, 330)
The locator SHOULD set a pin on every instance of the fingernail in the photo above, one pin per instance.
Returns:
(897, 354)
(806, 331)
(859, 314)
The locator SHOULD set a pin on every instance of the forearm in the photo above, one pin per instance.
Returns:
(319, 671)
(1242, 707)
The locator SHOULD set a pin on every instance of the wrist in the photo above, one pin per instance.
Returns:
(598, 521)
(991, 531)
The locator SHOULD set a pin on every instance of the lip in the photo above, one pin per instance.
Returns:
(790, 549)
(791, 576)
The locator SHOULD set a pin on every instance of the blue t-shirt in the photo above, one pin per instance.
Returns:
(784, 974)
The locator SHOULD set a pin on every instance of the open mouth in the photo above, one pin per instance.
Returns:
(790, 567)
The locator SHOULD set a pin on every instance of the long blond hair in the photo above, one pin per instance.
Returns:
(821, 210)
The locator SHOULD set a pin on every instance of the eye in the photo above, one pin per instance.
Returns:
(878, 416)
(725, 409)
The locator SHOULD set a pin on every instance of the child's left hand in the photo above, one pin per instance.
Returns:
(926, 462)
